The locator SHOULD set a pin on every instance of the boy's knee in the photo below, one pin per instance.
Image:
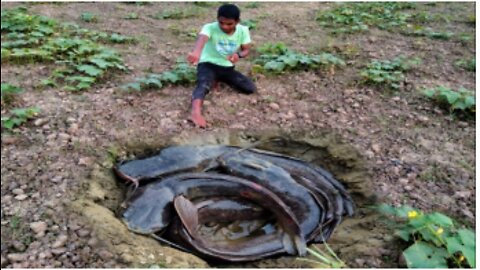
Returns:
(250, 89)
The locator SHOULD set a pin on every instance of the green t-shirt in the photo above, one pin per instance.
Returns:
(220, 45)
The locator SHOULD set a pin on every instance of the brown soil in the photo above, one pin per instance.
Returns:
(414, 152)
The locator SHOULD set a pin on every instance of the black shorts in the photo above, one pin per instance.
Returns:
(207, 73)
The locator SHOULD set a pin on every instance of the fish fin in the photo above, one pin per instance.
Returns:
(188, 213)
(288, 244)
(301, 245)
(294, 245)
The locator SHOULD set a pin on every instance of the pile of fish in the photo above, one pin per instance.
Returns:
(232, 204)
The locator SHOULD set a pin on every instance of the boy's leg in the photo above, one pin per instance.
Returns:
(205, 78)
(238, 81)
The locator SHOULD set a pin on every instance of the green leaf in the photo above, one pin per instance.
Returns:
(440, 219)
(403, 234)
(423, 255)
(101, 63)
(90, 70)
(275, 66)
(169, 76)
(467, 237)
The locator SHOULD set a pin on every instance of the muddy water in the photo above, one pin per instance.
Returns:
(355, 238)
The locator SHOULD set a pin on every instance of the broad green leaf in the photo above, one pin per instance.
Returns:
(440, 219)
(101, 63)
(90, 70)
(275, 66)
(169, 76)
(423, 255)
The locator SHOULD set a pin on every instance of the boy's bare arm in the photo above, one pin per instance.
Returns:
(194, 56)
(244, 51)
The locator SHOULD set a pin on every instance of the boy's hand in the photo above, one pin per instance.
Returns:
(233, 58)
(193, 58)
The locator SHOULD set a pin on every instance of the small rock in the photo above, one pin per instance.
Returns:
(462, 194)
(18, 191)
(423, 119)
(83, 233)
(274, 106)
(19, 246)
(21, 197)
(467, 213)
(56, 179)
(64, 136)
(71, 120)
(40, 122)
(408, 188)
(17, 257)
(376, 148)
(359, 262)
(86, 161)
(369, 154)
(58, 251)
(403, 181)
(60, 242)
(92, 242)
(38, 227)
(105, 254)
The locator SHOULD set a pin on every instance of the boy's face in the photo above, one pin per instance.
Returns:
(227, 25)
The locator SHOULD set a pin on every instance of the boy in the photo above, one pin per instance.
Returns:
(219, 46)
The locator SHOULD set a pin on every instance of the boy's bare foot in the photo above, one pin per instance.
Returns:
(197, 117)
(198, 120)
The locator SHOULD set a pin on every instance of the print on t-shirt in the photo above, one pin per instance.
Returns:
(226, 47)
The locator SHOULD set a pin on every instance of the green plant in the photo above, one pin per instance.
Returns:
(462, 100)
(427, 32)
(387, 73)
(323, 259)
(19, 116)
(252, 5)
(251, 24)
(81, 60)
(131, 16)
(178, 13)
(277, 58)
(358, 17)
(9, 92)
(183, 73)
(436, 242)
(89, 17)
(467, 64)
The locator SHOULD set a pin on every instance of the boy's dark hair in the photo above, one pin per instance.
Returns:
(229, 11)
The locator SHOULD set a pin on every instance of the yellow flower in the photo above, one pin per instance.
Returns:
(462, 258)
(439, 231)
(412, 214)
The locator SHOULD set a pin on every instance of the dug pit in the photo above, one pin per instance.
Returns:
(354, 239)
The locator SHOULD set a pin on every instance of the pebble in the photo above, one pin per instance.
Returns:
(56, 179)
(21, 197)
(40, 122)
(58, 251)
(376, 148)
(274, 106)
(71, 120)
(38, 227)
(462, 194)
(60, 242)
(83, 233)
(18, 191)
(17, 257)
(18, 246)
(369, 154)
(64, 136)
(408, 188)
(403, 181)
(105, 254)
